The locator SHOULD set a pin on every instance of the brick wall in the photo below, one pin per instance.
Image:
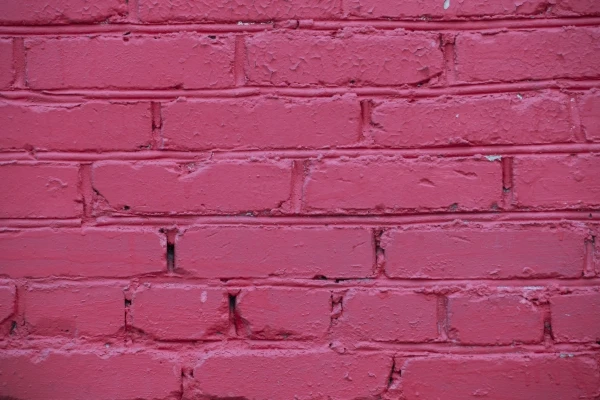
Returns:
(301, 199)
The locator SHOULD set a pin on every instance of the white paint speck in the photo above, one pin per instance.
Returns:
(519, 96)
(457, 115)
(203, 297)
(493, 158)
(446, 4)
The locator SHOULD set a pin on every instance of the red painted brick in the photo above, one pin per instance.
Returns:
(515, 377)
(494, 319)
(88, 252)
(86, 126)
(7, 71)
(576, 7)
(303, 59)
(224, 10)
(134, 62)
(484, 253)
(589, 112)
(422, 9)
(376, 185)
(557, 182)
(231, 252)
(180, 312)
(522, 55)
(384, 315)
(167, 187)
(7, 301)
(39, 191)
(75, 375)
(60, 11)
(263, 123)
(73, 310)
(477, 120)
(576, 317)
(279, 375)
(274, 313)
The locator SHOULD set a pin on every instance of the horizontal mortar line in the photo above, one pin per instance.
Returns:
(305, 24)
(592, 216)
(71, 95)
(301, 346)
(232, 155)
(505, 285)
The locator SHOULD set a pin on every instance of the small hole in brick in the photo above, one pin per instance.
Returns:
(171, 256)
(127, 303)
(232, 301)
(13, 327)
(212, 36)
(320, 277)
(352, 81)
(126, 208)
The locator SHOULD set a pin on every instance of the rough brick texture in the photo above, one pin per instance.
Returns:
(299, 199)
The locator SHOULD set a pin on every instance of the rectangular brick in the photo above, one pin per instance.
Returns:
(255, 252)
(385, 315)
(74, 310)
(277, 313)
(589, 113)
(557, 182)
(39, 191)
(246, 10)
(499, 319)
(500, 252)
(503, 119)
(227, 187)
(185, 61)
(303, 59)
(384, 185)
(284, 375)
(76, 127)
(515, 377)
(72, 375)
(24, 12)
(7, 69)
(263, 123)
(523, 55)
(422, 9)
(180, 312)
(87, 252)
(576, 317)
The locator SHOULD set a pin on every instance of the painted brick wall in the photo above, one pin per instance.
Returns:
(299, 199)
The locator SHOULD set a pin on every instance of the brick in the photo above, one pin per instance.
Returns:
(77, 127)
(391, 316)
(7, 72)
(422, 9)
(474, 120)
(73, 310)
(223, 10)
(60, 11)
(184, 61)
(280, 375)
(39, 191)
(557, 182)
(515, 377)
(73, 375)
(167, 187)
(263, 123)
(89, 252)
(378, 185)
(274, 313)
(484, 253)
(521, 55)
(589, 112)
(500, 319)
(576, 317)
(254, 252)
(180, 312)
(7, 301)
(303, 59)
(576, 7)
